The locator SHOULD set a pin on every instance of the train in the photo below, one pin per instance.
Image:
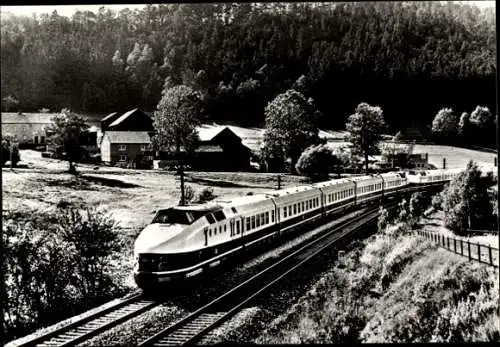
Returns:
(184, 241)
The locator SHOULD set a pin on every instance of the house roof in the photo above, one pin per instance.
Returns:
(27, 118)
(127, 136)
(208, 132)
(110, 116)
(125, 116)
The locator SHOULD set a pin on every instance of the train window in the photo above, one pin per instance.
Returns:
(303, 206)
(233, 209)
(248, 223)
(220, 229)
(290, 210)
(284, 211)
(262, 218)
(272, 216)
(209, 232)
(219, 215)
(238, 226)
(294, 208)
(317, 202)
(258, 221)
(253, 222)
(225, 228)
(267, 217)
(210, 218)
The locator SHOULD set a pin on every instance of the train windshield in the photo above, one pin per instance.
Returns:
(174, 216)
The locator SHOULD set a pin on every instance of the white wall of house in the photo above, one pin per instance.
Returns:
(105, 149)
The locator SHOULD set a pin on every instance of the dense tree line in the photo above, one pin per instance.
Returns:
(410, 58)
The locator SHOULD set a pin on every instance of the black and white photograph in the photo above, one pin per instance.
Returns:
(261, 173)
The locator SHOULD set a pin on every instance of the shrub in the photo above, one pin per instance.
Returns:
(316, 162)
(417, 205)
(56, 264)
(188, 193)
(8, 145)
(437, 202)
(206, 194)
(383, 219)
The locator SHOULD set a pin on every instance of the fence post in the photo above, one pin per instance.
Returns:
(478, 252)
(448, 241)
(461, 247)
(455, 245)
(491, 255)
(468, 247)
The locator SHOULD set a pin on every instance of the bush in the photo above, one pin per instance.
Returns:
(188, 193)
(316, 162)
(383, 219)
(437, 202)
(56, 265)
(206, 194)
(8, 145)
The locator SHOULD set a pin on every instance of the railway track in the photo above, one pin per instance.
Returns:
(199, 323)
(193, 327)
(87, 327)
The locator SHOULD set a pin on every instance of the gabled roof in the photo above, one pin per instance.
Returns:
(208, 132)
(27, 118)
(123, 117)
(128, 114)
(127, 136)
(110, 116)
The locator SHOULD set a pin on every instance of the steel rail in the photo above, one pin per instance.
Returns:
(87, 327)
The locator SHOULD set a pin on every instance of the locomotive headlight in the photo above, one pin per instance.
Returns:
(136, 262)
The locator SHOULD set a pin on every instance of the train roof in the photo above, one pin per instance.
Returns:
(364, 178)
(209, 207)
(332, 182)
(243, 200)
(287, 191)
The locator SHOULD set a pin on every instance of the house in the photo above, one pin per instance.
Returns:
(28, 128)
(132, 148)
(33, 129)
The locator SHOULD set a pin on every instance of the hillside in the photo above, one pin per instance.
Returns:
(425, 294)
(240, 56)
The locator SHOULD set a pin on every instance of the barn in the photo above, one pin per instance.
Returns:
(219, 149)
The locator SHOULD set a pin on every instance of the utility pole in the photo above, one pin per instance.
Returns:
(181, 172)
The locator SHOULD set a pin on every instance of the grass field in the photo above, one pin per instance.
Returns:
(455, 157)
(131, 196)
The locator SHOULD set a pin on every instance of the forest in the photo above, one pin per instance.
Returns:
(409, 58)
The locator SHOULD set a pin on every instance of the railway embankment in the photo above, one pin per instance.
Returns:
(393, 288)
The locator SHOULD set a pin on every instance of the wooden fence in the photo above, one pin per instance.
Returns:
(474, 251)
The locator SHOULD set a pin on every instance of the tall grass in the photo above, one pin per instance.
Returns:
(425, 294)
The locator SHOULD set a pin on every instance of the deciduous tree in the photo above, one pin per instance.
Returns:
(365, 128)
(175, 120)
(445, 124)
(290, 127)
(466, 203)
(67, 130)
